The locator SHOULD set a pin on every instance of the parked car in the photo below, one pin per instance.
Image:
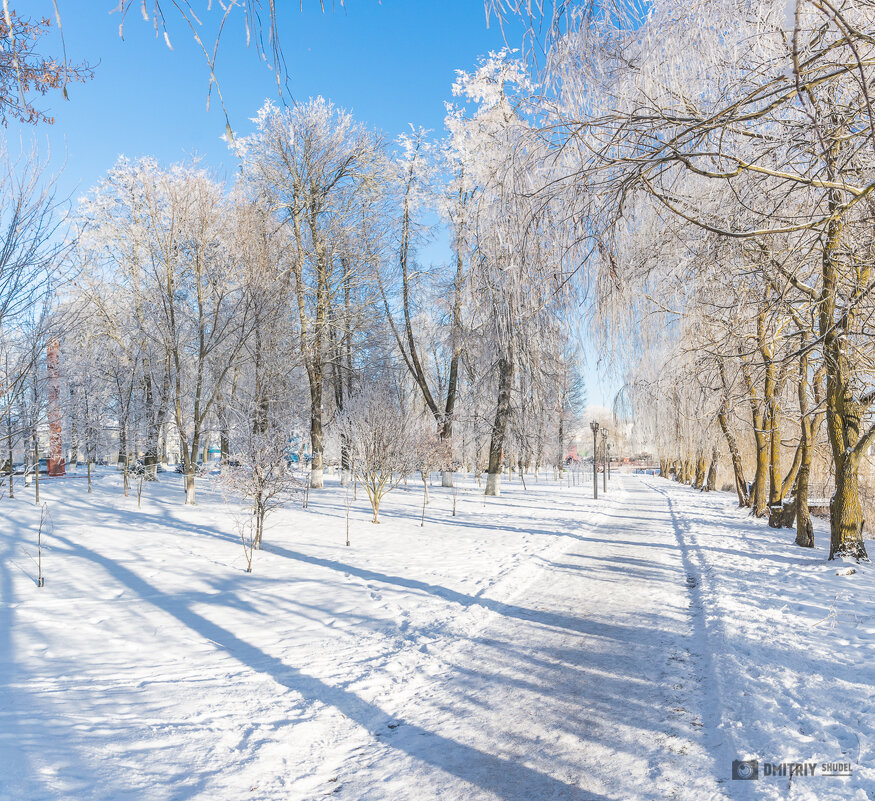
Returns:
(138, 467)
(27, 469)
(179, 467)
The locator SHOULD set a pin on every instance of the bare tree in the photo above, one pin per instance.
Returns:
(315, 166)
(385, 441)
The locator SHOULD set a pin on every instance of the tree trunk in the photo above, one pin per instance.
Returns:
(843, 414)
(699, 480)
(375, 506)
(9, 448)
(190, 459)
(759, 500)
(150, 458)
(316, 463)
(711, 484)
(790, 478)
(189, 486)
(775, 484)
(561, 457)
(123, 455)
(759, 421)
(259, 520)
(804, 526)
(36, 458)
(846, 514)
(688, 471)
(73, 461)
(345, 462)
(735, 458)
(809, 424)
(502, 411)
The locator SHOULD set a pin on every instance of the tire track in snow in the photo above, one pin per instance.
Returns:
(717, 739)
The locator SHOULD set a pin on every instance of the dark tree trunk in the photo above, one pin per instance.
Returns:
(843, 413)
(502, 412)
(846, 513)
(735, 458)
(150, 458)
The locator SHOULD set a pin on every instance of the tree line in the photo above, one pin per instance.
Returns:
(728, 152)
(285, 316)
(698, 174)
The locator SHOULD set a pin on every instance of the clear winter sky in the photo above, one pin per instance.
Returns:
(392, 62)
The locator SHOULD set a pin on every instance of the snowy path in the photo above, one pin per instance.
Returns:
(579, 686)
(536, 647)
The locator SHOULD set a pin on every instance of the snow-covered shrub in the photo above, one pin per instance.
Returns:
(384, 441)
(261, 477)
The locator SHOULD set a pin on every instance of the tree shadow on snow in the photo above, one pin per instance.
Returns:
(518, 782)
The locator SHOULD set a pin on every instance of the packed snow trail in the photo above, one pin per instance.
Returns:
(537, 646)
(582, 685)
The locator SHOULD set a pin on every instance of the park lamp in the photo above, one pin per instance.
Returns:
(595, 462)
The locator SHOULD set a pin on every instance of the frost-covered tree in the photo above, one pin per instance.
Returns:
(750, 121)
(317, 169)
(261, 475)
(33, 269)
(386, 441)
(162, 254)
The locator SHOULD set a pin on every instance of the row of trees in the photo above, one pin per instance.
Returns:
(705, 168)
(722, 154)
(279, 313)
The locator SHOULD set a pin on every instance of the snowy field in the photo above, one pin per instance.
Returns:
(537, 646)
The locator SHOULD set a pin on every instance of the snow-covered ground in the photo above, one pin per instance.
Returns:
(537, 646)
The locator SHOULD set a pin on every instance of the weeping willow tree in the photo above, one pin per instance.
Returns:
(751, 121)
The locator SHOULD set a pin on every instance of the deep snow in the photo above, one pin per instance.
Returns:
(536, 646)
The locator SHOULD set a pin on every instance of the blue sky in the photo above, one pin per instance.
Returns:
(392, 62)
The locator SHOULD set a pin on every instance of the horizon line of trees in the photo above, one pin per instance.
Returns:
(700, 174)
(192, 311)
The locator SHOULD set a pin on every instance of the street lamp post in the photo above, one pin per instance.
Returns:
(595, 462)
(605, 457)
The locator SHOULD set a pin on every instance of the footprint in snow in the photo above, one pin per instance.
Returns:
(847, 740)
